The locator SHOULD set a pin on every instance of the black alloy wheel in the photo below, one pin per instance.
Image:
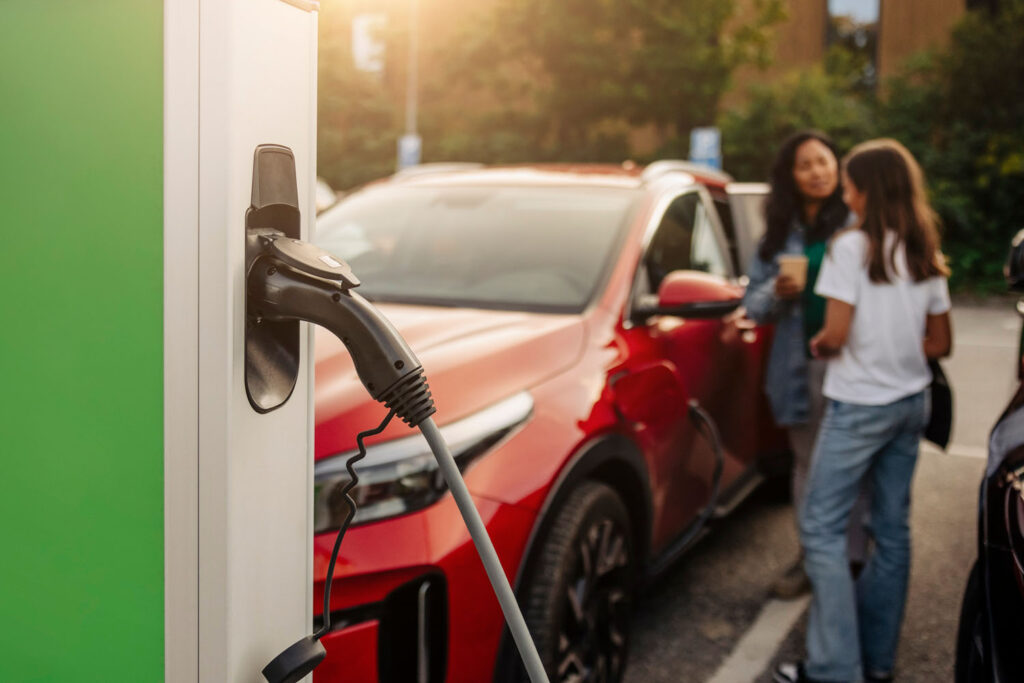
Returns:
(970, 646)
(579, 593)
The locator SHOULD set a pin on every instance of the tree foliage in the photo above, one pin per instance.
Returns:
(535, 80)
(358, 114)
(960, 111)
(686, 54)
(805, 99)
(593, 68)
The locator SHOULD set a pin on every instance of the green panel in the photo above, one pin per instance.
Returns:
(81, 348)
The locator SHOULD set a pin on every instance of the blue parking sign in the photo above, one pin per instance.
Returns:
(706, 146)
(409, 146)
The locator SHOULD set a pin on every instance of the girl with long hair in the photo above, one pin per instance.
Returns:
(888, 313)
(804, 209)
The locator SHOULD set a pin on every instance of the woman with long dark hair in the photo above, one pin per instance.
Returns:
(804, 209)
(887, 314)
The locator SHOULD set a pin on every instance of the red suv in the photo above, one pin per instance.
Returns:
(596, 379)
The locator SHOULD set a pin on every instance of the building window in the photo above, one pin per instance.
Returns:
(852, 41)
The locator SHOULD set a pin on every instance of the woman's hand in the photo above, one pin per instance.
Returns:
(829, 341)
(786, 287)
(938, 336)
(820, 348)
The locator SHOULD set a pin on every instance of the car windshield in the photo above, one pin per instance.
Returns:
(525, 248)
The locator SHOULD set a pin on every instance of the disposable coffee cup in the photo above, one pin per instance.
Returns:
(794, 266)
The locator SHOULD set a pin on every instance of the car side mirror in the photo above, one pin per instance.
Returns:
(691, 294)
(1014, 269)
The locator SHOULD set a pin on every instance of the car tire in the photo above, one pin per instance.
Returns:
(578, 594)
(970, 648)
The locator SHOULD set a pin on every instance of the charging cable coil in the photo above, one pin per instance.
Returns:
(297, 661)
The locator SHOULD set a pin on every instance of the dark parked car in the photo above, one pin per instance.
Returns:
(990, 642)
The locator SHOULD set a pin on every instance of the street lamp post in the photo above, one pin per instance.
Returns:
(409, 145)
(411, 85)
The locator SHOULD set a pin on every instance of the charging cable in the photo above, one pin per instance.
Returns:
(294, 280)
(353, 480)
(705, 425)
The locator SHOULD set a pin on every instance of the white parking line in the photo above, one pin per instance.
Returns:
(754, 653)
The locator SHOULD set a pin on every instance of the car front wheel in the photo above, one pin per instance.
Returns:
(578, 594)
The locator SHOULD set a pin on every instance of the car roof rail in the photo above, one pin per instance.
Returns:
(748, 188)
(435, 167)
(663, 167)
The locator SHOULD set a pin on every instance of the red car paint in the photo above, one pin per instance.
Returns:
(590, 375)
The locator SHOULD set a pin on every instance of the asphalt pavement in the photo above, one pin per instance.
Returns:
(711, 618)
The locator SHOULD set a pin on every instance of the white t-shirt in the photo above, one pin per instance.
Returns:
(883, 358)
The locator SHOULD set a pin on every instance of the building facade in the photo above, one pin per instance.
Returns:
(884, 33)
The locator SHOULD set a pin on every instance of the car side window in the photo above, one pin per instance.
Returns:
(725, 216)
(707, 256)
(685, 240)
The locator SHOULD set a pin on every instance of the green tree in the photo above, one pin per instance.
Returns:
(961, 113)
(804, 99)
(581, 73)
(535, 80)
(685, 55)
(358, 116)
(478, 103)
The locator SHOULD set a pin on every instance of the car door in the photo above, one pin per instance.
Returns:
(745, 203)
(704, 358)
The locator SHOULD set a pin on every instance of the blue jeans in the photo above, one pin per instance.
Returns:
(853, 628)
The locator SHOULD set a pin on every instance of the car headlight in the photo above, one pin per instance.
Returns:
(401, 476)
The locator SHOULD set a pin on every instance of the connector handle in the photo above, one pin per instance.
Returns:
(387, 367)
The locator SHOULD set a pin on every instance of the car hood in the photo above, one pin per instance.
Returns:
(472, 359)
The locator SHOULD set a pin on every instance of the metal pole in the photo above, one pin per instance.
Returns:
(502, 589)
(411, 81)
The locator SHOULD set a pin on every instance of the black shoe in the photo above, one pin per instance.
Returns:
(791, 672)
(875, 677)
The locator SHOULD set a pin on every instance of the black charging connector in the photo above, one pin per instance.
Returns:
(295, 280)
